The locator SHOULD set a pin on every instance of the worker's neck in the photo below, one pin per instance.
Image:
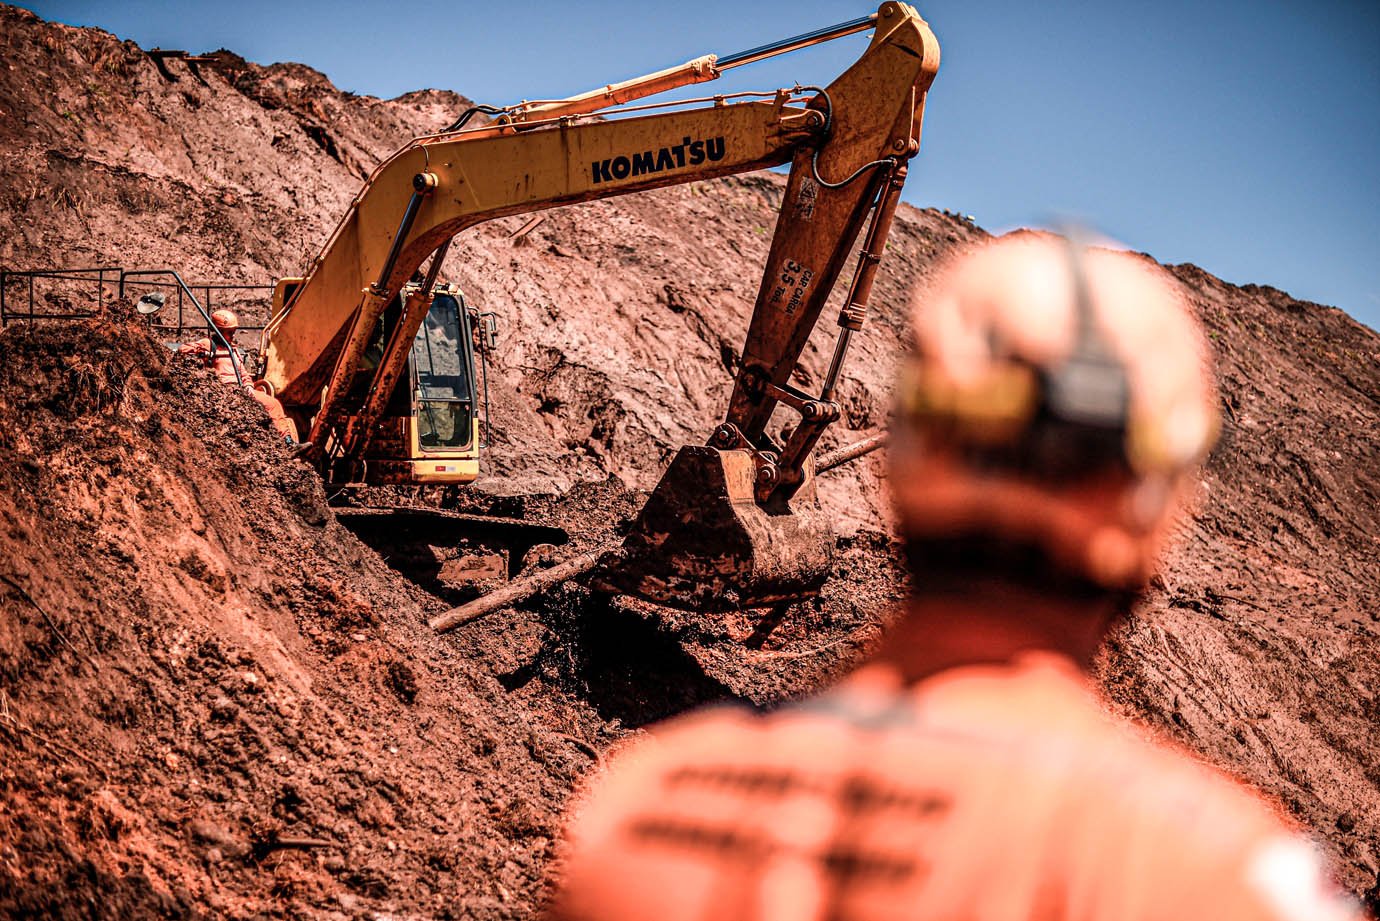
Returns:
(994, 622)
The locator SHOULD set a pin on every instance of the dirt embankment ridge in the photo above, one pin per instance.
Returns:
(215, 701)
(212, 697)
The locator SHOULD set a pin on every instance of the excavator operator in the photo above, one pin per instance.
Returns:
(226, 364)
(1046, 436)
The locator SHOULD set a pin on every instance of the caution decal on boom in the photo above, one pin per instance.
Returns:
(687, 153)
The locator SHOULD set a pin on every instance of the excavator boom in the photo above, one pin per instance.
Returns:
(468, 180)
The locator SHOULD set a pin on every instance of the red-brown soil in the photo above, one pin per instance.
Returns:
(200, 666)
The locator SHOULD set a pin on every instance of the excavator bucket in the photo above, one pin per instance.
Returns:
(703, 543)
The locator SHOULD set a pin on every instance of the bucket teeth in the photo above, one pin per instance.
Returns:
(703, 543)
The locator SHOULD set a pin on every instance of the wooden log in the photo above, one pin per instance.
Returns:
(840, 456)
(517, 590)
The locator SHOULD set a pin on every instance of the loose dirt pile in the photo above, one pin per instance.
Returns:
(217, 701)
(213, 698)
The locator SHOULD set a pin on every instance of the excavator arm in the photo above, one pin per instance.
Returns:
(847, 144)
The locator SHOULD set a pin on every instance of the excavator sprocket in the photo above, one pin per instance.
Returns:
(703, 543)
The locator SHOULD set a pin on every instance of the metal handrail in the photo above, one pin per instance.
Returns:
(78, 274)
(207, 291)
(103, 277)
(205, 314)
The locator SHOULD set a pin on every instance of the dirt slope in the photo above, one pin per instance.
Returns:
(177, 551)
(198, 663)
(1260, 649)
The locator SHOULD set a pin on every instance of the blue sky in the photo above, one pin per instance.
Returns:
(1241, 135)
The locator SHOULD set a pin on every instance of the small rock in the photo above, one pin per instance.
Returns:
(541, 555)
(223, 709)
(218, 838)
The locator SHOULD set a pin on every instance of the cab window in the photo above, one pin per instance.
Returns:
(443, 379)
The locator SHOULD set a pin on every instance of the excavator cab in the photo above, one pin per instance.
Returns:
(428, 429)
(442, 421)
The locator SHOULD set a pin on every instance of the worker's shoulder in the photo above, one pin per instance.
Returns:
(883, 791)
(1035, 724)
(1040, 724)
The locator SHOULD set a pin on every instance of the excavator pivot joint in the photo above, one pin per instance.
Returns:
(726, 437)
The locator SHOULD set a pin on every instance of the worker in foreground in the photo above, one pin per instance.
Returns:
(226, 364)
(1046, 436)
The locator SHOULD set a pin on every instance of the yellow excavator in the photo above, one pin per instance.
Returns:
(375, 358)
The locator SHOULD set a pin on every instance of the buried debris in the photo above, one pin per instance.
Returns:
(840, 456)
(262, 849)
(516, 591)
(613, 562)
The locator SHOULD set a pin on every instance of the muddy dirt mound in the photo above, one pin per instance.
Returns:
(1261, 645)
(231, 172)
(213, 699)
(216, 701)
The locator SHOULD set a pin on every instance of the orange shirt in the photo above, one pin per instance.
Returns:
(222, 364)
(987, 793)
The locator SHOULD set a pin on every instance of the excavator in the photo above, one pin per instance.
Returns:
(374, 357)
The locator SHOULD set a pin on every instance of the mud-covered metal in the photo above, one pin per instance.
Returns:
(702, 541)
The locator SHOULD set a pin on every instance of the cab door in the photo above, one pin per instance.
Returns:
(444, 418)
